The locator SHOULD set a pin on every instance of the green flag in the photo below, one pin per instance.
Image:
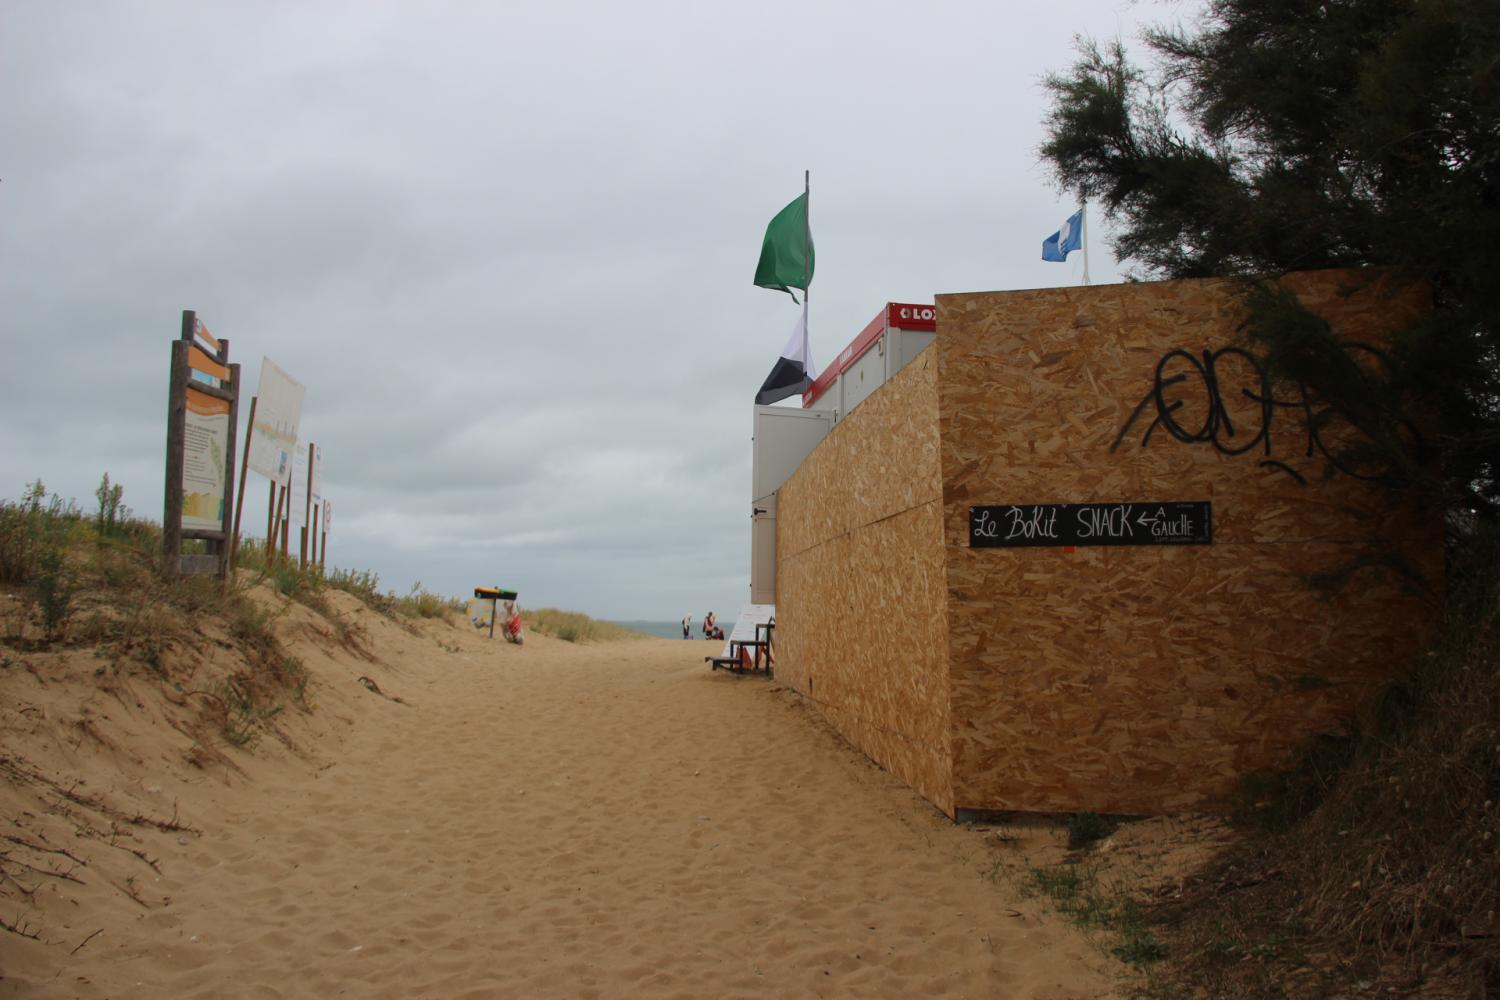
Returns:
(787, 258)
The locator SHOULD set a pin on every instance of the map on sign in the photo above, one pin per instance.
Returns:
(205, 443)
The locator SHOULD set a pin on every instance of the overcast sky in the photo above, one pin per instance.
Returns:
(507, 247)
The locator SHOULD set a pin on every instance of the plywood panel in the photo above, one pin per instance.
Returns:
(1145, 679)
(861, 582)
(879, 460)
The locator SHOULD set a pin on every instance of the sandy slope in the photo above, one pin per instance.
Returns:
(552, 820)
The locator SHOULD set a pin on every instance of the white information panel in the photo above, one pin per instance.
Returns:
(278, 411)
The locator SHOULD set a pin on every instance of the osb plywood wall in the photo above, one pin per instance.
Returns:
(860, 582)
(1148, 679)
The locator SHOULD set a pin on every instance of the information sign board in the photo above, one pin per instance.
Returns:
(278, 411)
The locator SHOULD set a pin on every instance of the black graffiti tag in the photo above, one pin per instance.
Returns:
(1225, 398)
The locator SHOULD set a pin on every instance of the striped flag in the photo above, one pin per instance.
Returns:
(793, 372)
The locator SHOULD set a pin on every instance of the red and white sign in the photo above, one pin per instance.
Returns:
(896, 316)
(908, 316)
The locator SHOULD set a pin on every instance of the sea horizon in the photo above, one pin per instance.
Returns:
(664, 629)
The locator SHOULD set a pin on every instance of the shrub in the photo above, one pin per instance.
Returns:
(35, 538)
(111, 512)
(1084, 828)
(421, 603)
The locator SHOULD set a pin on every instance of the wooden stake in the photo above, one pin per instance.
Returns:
(312, 455)
(313, 534)
(284, 516)
(226, 545)
(239, 500)
(171, 522)
(271, 522)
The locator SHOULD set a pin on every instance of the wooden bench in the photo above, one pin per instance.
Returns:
(739, 657)
(734, 661)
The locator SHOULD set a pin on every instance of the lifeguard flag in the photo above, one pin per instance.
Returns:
(1067, 239)
(786, 256)
(793, 371)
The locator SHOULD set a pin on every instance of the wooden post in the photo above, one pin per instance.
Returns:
(284, 519)
(171, 523)
(278, 524)
(312, 455)
(231, 520)
(494, 612)
(239, 500)
(271, 522)
(312, 553)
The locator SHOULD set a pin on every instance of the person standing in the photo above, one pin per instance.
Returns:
(687, 626)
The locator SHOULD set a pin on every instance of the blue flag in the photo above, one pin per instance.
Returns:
(1067, 239)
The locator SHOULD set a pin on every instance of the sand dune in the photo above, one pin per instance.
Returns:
(552, 820)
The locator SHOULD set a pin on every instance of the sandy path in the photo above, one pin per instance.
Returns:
(557, 820)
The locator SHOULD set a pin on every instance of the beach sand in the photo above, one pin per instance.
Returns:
(548, 820)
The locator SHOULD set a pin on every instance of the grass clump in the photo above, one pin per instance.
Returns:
(37, 539)
(1080, 894)
(364, 585)
(96, 580)
(1086, 828)
(571, 626)
(422, 603)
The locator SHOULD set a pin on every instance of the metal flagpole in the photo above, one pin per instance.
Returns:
(807, 235)
(1083, 237)
(807, 272)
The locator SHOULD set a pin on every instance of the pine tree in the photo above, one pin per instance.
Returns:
(1283, 135)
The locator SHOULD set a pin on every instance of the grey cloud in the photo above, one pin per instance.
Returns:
(507, 248)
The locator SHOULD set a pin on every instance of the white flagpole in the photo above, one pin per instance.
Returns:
(807, 268)
(807, 234)
(1083, 235)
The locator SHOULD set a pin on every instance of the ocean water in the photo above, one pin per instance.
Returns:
(670, 630)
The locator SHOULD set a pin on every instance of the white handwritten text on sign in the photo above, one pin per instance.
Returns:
(1167, 522)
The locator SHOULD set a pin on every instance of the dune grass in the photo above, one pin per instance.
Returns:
(96, 581)
(1374, 866)
(571, 626)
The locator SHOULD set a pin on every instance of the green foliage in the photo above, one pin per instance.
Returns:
(364, 585)
(111, 512)
(1085, 828)
(53, 587)
(421, 603)
(35, 541)
(1283, 135)
(238, 726)
(291, 580)
(1140, 947)
(1080, 895)
(284, 574)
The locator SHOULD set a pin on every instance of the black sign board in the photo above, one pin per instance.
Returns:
(1167, 522)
